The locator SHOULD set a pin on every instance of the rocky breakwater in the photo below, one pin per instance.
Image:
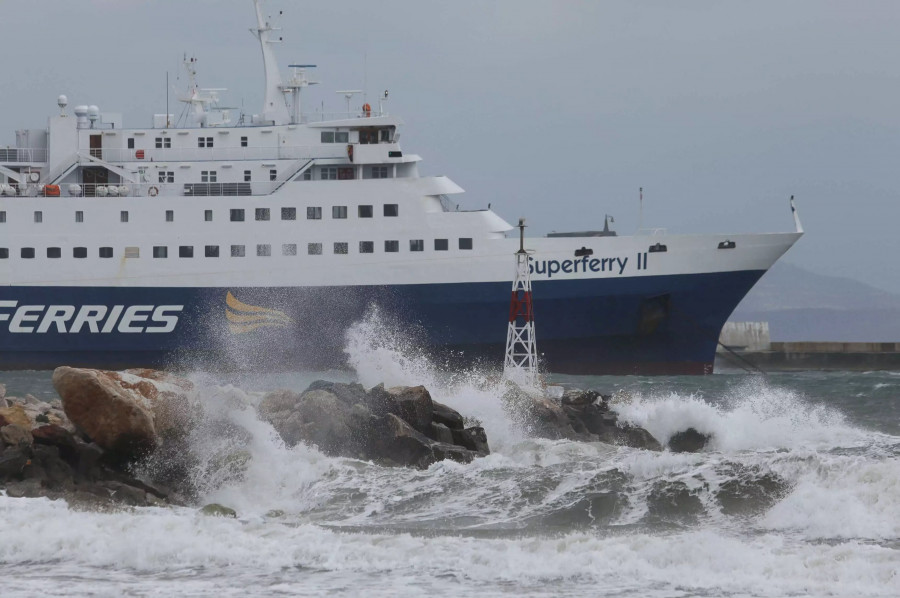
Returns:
(82, 445)
(392, 426)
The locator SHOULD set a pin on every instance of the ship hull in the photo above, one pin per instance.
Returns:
(666, 324)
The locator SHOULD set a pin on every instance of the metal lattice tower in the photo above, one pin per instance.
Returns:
(521, 364)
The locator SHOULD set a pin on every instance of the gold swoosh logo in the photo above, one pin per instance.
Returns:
(247, 318)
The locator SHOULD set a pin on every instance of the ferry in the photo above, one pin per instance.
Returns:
(220, 240)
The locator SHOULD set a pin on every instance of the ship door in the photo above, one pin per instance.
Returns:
(97, 146)
(93, 176)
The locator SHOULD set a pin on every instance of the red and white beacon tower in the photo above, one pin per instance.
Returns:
(521, 364)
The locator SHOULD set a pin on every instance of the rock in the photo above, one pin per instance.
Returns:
(16, 435)
(403, 444)
(217, 510)
(673, 500)
(350, 394)
(636, 437)
(548, 420)
(123, 412)
(579, 397)
(15, 414)
(441, 433)
(748, 490)
(278, 401)
(413, 405)
(443, 451)
(3, 403)
(13, 460)
(25, 489)
(442, 414)
(688, 441)
(473, 439)
(2, 391)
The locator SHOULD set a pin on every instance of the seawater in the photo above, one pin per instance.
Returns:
(535, 518)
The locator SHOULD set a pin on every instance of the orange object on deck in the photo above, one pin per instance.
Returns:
(51, 190)
(139, 154)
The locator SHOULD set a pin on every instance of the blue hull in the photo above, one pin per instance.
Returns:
(640, 325)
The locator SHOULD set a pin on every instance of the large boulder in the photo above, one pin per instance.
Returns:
(123, 412)
(688, 441)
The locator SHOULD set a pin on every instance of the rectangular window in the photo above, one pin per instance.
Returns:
(243, 142)
(307, 174)
(465, 243)
(391, 246)
(38, 216)
(288, 213)
(417, 245)
(367, 247)
(186, 251)
(106, 252)
(237, 215)
(2, 216)
(166, 176)
(273, 174)
(379, 172)
(27, 253)
(170, 215)
(391, 209)
(208, 176)
(207, 216)
(262, 213)
(313, 213)
(79, 216)
(204, 141)
(211, 251)
(384, 135)
(327, 137)
(79, 252)
(54, 252)
(339, 212)
(314, 249)
(365, 211)
(4, 253)
(160, 251)
(263, 250)
(341, 248)
(123, 216)
(164, 142)
(131, 143)
(132, 253)
(248, 176)
(237, 251)
(289, 249)
(346, 174)
(441, 245)
(329, 173)
(342, 137)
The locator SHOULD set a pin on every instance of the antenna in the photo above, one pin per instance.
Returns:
(348, 95)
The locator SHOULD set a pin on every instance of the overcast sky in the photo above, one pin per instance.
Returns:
(553, 110)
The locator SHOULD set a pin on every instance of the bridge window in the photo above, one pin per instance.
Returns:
(4, 253)
(38, 216)
(341, 248)
(367, 247)
(204, 141)
(243, 142)
(391, 209)
(207, 215)
(79, 252)
(313, 213)
(237, 251)
(391, 246)
(288, 213)
(211, 251)
(262, 213)
(417, 245)
(186, 251)
(465, 243)
(164, 143)
(328, 173)
(441, 245)
(346, 174)
(170, 215)
(339, 212)
(54, 252)
(365, 211)
(106, 252)
(378, 172)
(342, 137)
(289, 249)
(79, 216)
(123, 216)
(160, 251)
(263, 250)
(208, 176)
(237, 215)
(314, 248)
(166, 176)
(327, 137)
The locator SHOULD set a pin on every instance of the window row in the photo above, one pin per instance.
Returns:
(262, 250)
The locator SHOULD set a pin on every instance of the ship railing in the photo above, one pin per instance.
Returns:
(326, 116)
(151, 190)
(652, 231)
(197, 154)
(23, 155)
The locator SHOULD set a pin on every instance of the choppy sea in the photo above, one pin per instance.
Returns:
(798, 495)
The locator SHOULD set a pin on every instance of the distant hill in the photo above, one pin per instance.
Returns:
(804, 306)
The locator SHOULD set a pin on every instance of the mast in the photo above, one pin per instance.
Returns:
(521, 362)
(275, 108)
